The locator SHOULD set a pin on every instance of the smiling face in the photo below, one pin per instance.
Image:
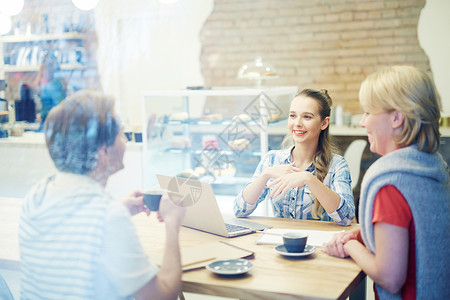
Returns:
(305, 122)
(381, 131)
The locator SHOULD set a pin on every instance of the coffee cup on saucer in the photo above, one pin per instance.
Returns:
(295, 242)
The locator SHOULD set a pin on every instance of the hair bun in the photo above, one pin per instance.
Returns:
(327, 96)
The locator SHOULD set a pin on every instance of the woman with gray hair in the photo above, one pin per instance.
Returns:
(76, 241)
(405, 195)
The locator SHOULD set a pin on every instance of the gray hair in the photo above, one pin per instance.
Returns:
(77, 127)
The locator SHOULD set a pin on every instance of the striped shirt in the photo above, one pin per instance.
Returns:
(66, 236)
(297, 202)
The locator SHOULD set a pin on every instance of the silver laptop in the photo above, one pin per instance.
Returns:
(202, 211)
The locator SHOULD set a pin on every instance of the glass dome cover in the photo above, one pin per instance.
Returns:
(257, 69)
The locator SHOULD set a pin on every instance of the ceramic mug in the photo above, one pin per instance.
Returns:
(152, 199)
(295, 242)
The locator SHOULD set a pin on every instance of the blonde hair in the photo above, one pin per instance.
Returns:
(410, 91)
(325, 148)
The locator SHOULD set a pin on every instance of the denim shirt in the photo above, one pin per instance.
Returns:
(298, 202)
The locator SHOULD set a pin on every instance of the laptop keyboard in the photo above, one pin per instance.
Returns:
(234, 228)
(248, 224)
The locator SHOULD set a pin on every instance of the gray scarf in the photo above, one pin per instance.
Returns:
(423, 179)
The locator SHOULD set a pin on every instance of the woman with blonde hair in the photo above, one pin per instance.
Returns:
(306, 180)
(405, 195)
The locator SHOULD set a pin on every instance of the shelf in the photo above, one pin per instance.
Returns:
(37, 39)
(35, 68)
(222, 152)
(41, 37)
(225, 122)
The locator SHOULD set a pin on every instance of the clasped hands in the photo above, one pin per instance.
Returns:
(336, 246)
(286, 177)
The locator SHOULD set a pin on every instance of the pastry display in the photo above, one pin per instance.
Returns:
(225, 172)
(253, 75)
(239, 144)
(189, 173)
(273, 117)
(212, 117)
(210, 142)
(250, 75)
(241, 118)
(181, 116)
(257, 70)
(269, 74)
(180, 142)
(200, 171)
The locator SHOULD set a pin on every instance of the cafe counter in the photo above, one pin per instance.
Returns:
(25, 159)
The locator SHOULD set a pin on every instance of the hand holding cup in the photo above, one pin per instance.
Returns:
(152, 199)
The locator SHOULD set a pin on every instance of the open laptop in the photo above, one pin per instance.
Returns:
(202, 211)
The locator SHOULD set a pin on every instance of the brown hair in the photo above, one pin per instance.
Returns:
(325, 147)
(77, 127)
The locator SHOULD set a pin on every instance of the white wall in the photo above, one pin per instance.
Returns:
(433, 32)
(145, 45)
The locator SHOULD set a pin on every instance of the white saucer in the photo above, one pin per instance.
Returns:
(230, 266)
(308, 251)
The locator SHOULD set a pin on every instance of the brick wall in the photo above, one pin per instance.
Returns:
(332, 44)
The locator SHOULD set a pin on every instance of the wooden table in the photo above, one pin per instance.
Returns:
(273, 276)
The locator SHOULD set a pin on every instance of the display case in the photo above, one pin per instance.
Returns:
(216, 135)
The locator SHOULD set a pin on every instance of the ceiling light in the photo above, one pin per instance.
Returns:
(168, 2)
(5, 24)
(85, 4)
(11, 7)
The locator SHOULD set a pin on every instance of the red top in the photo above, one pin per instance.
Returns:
(391, 207)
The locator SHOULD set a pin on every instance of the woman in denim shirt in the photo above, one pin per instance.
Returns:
(306, 180)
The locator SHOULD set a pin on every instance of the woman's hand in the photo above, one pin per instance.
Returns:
(335, 247)
(252, 192)
(288, 181)
(169, 212)
(279, 170)
(135, 203)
